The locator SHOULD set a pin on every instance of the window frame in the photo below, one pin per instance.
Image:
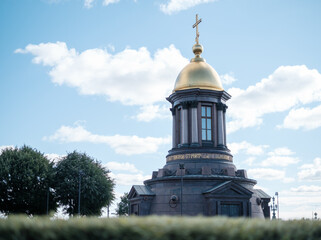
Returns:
(206, 128)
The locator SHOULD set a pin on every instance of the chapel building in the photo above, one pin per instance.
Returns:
(199, 177)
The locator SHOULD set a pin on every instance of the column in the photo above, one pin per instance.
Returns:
(174, 128)
(220, 124)
(194, 124)
(184, 127)
(224, 123)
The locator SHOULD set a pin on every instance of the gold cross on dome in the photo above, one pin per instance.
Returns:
(196, 25)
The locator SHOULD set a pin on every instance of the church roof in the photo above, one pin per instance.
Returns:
(262, 194)
(143, 190)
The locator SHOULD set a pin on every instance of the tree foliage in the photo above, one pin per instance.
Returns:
(123, 206)
(96, 187)
(25, 179)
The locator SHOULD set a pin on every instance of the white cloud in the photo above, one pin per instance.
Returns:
(305, 118)
(173, 6)
(247, 147)
(284, 89)
(249, 161)
(282, 151)
(132, 77)
(280, 157)
(129, 179)
(305, 188)
(116, 166)
(53, 157)
(227, 79)
(151, 112)
(49, 54)
(107, 2)
(127, 145)
(311, 172)
(88, 3)
(2, 148)
(281, 161)
(269, 174)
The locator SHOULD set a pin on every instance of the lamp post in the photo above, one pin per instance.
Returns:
(181, 167)
(273, 208)
(278, 205)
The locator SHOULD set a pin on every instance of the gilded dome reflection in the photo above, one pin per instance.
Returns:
(198, 74)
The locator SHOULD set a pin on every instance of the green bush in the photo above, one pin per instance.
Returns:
(158, 228)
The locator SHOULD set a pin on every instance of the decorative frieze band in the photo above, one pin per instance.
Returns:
(199, 156)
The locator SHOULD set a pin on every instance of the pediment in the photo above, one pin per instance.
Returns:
(230, 192)
(229, 188)
(132, 193)
(140, 191)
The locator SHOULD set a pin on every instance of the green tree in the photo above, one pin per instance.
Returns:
(77, 170)
(123, 206)
(25, 179)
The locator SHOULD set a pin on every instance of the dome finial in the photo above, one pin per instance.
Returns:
(198, 74)
(196, 25)
(197, 48)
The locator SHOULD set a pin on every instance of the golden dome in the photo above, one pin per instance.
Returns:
(198, 74)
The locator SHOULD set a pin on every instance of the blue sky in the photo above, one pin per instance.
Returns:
(92, 76)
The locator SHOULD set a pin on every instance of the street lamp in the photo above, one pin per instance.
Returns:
(274, 207)
(278, 205)
(181, 167)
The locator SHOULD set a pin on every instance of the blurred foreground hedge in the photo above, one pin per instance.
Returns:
(158, 228)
